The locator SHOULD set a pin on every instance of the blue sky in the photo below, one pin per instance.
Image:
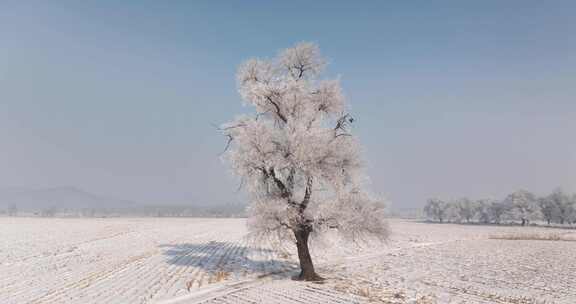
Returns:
(451, 98)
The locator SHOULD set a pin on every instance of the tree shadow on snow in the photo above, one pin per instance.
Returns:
(225, 259)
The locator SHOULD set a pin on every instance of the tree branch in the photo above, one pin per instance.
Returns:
(284, 192)
(230, 139)
(343, 122)
(228, 135)
(290, 179)
(282, 223)
(307, 194)
(277, 107)
(329, 222)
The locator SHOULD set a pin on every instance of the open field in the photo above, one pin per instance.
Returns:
(208, 261)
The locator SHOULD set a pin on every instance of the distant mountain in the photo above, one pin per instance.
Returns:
(59, 197)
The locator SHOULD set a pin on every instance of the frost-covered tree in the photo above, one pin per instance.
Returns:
(523, 206)
(482, 211)
(436, 209)
(572, 213)
(497, 211)
(296, 155)
(548, 208)
(562, 206)
(465, 209)
(452, 212)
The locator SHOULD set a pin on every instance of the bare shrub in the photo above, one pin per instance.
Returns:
(221, 276)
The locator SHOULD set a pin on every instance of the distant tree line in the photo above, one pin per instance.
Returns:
(520, 207)
(216, 210)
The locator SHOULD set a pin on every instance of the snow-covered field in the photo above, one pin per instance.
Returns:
(171, 260)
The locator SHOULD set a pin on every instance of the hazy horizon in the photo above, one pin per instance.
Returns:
(466, 99)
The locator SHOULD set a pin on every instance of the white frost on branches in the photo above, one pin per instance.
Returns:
(520, 206)
(523, 206)
(296, 156)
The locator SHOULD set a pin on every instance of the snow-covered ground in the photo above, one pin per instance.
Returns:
(171, 260)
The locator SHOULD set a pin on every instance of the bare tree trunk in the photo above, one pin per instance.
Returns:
(307, 272)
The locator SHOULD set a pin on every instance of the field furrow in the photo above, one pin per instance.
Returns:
(188, 261)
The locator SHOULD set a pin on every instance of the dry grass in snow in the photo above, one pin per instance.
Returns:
(542, 236)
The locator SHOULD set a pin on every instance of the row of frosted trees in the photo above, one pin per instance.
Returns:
(521, 207)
